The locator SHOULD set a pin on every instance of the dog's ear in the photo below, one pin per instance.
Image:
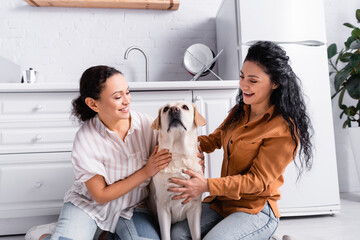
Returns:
(198, 118)
(156, 123)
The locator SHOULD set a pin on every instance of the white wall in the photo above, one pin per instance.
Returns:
(62, 42)
(337, 13)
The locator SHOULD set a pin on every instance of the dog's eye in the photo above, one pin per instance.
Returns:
(165, 109)
(185, 107)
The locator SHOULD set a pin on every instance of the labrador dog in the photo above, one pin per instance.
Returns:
(177, 125)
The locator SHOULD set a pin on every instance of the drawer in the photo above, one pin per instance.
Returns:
(40, 106)
(31, 180)
(37, 139)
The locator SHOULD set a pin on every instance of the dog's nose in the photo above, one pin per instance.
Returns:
(174, 109)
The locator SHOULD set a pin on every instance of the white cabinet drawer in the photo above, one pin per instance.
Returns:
(33, 181)
(35, 107)
(39, 106)
(37, 139)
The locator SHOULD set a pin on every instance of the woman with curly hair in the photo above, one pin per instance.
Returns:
(260, 137)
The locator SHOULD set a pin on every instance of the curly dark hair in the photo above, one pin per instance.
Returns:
(91, 84)
(287, 98)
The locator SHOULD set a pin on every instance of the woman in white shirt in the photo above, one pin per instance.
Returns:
(114, 156)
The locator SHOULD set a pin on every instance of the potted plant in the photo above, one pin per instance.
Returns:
(345, 64)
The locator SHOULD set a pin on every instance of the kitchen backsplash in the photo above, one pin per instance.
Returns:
(60, 43)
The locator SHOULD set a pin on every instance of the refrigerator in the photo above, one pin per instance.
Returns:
(298, 26)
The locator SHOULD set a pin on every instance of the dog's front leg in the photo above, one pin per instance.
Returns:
(194, 217)
(164, 218)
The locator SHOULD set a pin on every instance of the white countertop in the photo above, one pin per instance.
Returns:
(137, 86)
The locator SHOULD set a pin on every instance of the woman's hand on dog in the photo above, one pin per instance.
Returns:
(190, 188)
(157, 161)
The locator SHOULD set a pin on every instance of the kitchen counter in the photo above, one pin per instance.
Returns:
(138, 86)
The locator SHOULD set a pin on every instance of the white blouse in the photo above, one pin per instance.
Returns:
(100, 151)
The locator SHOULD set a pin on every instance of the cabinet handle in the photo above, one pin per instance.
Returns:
(198, 98)
(38, 137)
(38, 107)
(38, 185)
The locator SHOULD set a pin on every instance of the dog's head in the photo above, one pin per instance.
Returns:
(181, 116)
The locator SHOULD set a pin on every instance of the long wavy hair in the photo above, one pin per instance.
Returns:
(92, 83)
(287, 98)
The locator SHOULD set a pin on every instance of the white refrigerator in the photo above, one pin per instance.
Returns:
(299, 27)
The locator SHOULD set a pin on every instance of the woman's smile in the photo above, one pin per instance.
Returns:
(248, 95)
(124, 110)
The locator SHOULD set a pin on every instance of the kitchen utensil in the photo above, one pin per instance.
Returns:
(29, 76)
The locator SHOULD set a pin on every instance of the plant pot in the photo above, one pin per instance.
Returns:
(354, 134)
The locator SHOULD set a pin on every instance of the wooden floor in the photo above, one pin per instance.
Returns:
(342, 226)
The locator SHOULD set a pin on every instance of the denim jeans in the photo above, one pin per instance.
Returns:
(75, 224)
(239, 225)
(143, 225)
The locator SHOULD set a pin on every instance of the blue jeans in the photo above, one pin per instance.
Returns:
(238, 225)
(75, 224)
(143, 225)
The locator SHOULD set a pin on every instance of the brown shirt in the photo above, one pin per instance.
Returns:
(255, 157)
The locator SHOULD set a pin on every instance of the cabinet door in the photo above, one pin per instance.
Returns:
(33, 184)
(150, 102)
(214, 105)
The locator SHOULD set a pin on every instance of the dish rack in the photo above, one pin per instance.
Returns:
(206, 67)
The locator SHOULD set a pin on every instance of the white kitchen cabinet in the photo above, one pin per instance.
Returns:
(150, 102)
(36, 135)
(37, 131)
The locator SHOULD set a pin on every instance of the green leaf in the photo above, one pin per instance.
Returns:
(347, 123)
(340, 101)
(345, 57)
(336, 93)
(349, 25)
(356, 33)
(350, 111)
(352, 85)
(357, 14)
(343, 107)
(354, 60)
(331, 50)
(341, 76)
(355, 44)
(342, 114)
(349, 41)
